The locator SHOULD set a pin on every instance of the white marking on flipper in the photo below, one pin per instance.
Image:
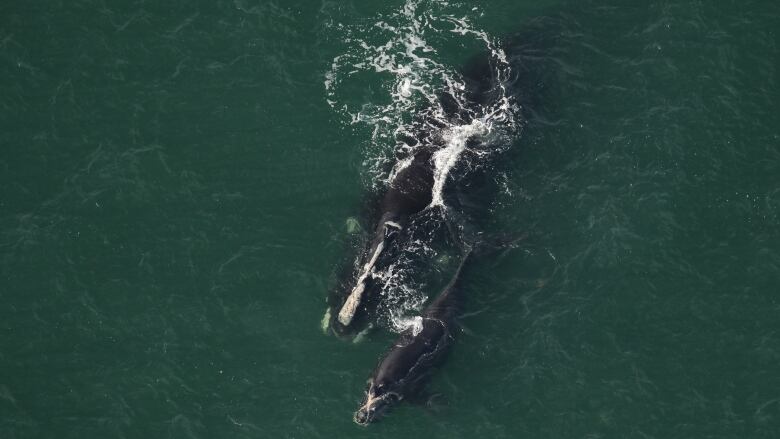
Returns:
(353, 301)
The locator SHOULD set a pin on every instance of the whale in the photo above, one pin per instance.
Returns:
(409, 192)
(403, 371)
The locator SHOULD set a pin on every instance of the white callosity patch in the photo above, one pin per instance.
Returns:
(398, 54)
(356, 296)
(353, 300)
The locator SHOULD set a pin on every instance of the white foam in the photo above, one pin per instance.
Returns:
(397, 49)
(399, 166)
(445, 158)
(414, 323)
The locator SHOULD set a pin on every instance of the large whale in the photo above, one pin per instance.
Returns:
(411, 187)
(403, 371)
(409, 192)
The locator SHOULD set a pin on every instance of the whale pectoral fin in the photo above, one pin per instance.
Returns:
(353, 226)
(325, 322)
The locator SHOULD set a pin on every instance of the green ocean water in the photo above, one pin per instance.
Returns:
(175, 188)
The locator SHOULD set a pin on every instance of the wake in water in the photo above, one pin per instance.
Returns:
(428, 121)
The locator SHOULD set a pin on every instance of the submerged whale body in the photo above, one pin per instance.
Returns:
(403, 371)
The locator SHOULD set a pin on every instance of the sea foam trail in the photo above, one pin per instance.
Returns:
(445, 158)
(398, 53)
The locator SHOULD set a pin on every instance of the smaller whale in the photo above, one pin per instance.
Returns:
(403, 371)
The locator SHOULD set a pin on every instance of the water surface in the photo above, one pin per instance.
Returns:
(175, 187)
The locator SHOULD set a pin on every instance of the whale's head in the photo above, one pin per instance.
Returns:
(378, 397)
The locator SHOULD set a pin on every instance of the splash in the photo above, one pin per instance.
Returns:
(391, 76)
